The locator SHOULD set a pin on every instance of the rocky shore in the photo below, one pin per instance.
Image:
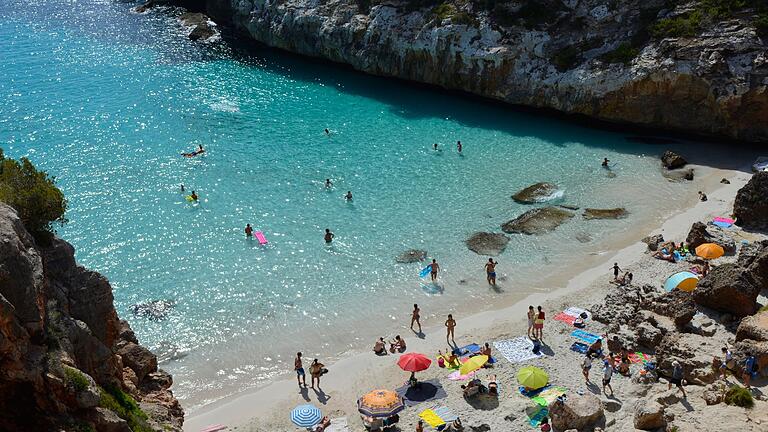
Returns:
(696, 66)
(67, 362)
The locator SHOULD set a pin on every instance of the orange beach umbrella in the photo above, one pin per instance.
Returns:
(710, 251)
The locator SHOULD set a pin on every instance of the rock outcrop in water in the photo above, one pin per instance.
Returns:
(485, 243)
(66, 361)
(682, 65)
(536, 193)
(537, 221)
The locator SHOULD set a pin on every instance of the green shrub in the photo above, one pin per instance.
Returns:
(739, 396)
(686, 25)
(76, 379)
(443, 11)
(33, 194)
(624, 53)
(761, 24)
(566, 58)
(122, 404)
(763, 309)
(464, 18)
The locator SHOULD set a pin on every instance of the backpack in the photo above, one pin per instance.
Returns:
(755, 367)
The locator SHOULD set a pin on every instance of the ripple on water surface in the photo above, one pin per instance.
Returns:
(106, 100)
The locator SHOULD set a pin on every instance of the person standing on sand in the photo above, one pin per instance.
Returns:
(616, 271)
(435, 267)
(677, 378)
(328, 236)
(299, 368)
(538, 324)
(490, 271)
(450, 325)
(607, 374)
(586, 365)
(415, 316)
(248, 230)
(316, 370)
(531, 319)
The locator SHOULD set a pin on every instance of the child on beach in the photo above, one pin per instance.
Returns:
(397, 345)
(531, 318)
(616, 271)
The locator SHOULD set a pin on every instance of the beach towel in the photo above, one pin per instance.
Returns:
(516, 350)
(635, 357)
(531, 393)
(569, 315)
(456, 376)
(579, 347)
(425, 391)
(467, 350)
(585, 336)
(437, 417)
(723, 222)
(549, 395)
(338, 425)
(564, 317)
(536, 415)
(447, 366)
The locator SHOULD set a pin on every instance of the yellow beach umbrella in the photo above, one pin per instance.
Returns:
(710, 251)
(532, 377)
(473, 364)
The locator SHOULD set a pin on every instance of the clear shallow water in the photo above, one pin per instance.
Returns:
(106, 99)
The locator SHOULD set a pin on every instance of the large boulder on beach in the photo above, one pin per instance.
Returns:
(577, 412)
(750, 208)
(678, 175)
(485, 243)
(693, 351)
(676, 305)
(754, 259)
(672, 160)
(728, 288)
(754, 327)
(701, 233)
(537, 221)
(649, 415)
(614, 213)
(537, 193)
(653, 241)
(411, 256)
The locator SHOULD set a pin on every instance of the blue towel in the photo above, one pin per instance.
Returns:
(466, 350)
(585, 336)
(579, 347)
(531, 393)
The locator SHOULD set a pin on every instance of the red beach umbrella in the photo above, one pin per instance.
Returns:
(414, 362)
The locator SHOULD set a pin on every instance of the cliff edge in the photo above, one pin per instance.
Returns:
(698, 66)
(67, 363)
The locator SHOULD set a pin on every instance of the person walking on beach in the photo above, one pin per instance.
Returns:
(328, 236)
(677, 378)
(450, 325)
(586, 365)
(415, 315)
(538, 325)
(316, 370)
(299, 368)
(607, 374)
(490, 271)
(616, 271)
(248, 230)
(531, 319)
(458, 146)
(435, 267)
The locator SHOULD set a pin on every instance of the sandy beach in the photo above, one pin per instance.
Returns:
(267, 408)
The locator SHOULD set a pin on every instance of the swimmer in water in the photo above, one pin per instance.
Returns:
(193, 196)
(605, 162)
(328, 183)
(248, 230)
(200, 148)
(458, 146)
(182, 187)
(435, 146)
(327, 132)
(328, 236)
(348, 196)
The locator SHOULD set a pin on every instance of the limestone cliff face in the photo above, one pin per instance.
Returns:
(591, 57)
(63, 350)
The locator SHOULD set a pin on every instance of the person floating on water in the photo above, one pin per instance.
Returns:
(328, 236)
(348, 196)
(605, 163)
(248, 230)
(328, 183)
(327, 132)
(490, 271)
(458, 146)
(199, 150)
(193, 196)
(182, 187)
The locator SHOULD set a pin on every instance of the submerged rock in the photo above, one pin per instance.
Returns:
(537, 221)
(537, 193)
(154, 310)
(750, 208)
(411, 256)
(485, 243)
(614, 213)
(672, 160)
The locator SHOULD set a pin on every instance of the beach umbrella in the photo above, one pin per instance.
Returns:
(684, 281)
(414, 362)
(380, 403)
(710, 251)
(306, 415)
(532, 377)
(472, 364)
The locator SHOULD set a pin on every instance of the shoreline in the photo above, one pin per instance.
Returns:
(240, 409)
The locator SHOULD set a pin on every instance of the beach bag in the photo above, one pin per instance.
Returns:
(323, 371)
(441, 362)
(536, 346)
(755, 367)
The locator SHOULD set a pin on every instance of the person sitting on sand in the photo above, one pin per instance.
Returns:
(579, 322)
(596, 349)
(324, 423)
(420, 426)
(472, 388)
(380, 347)
(397, 345)
(493, 387)
(624, 364)
(665, 256)
(451, 358)
(456, 425)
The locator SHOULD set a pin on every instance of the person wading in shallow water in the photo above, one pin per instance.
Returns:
(328, 236)
(434, 270)
(490, 271)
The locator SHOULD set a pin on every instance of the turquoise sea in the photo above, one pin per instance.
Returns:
(106, 100)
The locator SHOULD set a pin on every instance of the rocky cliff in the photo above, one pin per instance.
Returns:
(698, 66)
(66, 361)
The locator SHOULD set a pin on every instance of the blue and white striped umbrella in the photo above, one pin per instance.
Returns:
(306, 415)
